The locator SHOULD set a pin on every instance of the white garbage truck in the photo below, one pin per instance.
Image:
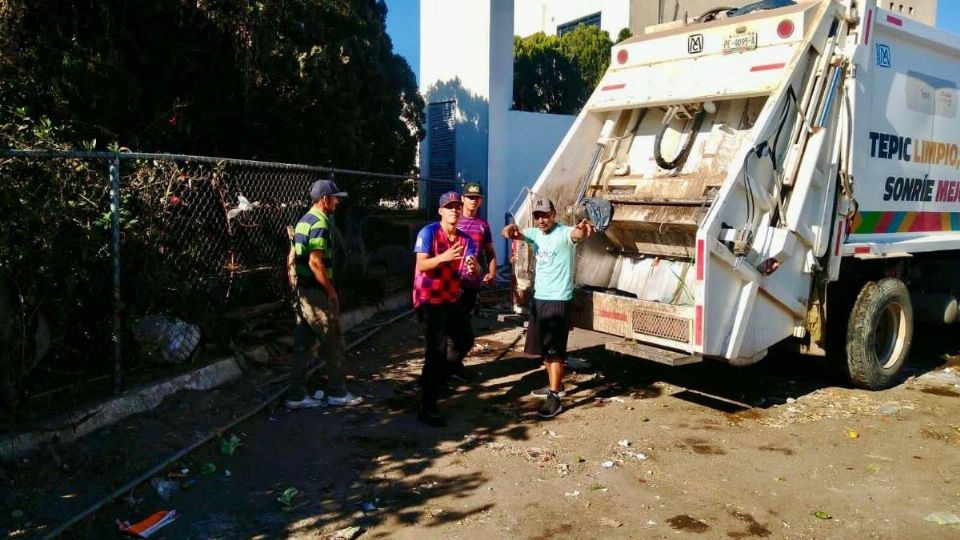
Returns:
(786, 173)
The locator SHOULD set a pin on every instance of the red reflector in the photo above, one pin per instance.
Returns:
(615, 315)
(622, 56)
(768, 67)
(613, 87)
(785, 28)
(700, 262)
(866, 31)
(698, 326)
(896, 21)
(861, 249)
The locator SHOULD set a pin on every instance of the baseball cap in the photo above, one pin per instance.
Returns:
(321, 188)
(473, 188)
(450, 197)
(542, 204)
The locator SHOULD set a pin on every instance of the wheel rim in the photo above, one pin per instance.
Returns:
(889, 335)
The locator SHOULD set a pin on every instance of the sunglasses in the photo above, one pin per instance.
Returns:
(453, 206)
(473, 197)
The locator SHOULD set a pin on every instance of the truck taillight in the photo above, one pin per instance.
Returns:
(785, 29)
(622, 56)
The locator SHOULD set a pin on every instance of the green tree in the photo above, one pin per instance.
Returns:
(544, 79)
(302, 81)
(557, 74)
(298, 80)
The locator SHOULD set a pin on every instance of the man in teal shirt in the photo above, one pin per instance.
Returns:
(554, 247)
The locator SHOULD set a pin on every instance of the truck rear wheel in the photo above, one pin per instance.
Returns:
(879, 333)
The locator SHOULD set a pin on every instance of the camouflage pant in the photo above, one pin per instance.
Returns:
(317, 320)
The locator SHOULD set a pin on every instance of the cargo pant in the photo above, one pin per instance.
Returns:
(316, 320)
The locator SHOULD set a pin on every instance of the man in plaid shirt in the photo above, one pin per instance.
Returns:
(443, 256)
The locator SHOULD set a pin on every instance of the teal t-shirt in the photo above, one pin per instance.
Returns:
(554, 253)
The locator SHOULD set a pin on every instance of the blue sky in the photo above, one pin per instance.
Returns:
(403, 25)
(948, 15)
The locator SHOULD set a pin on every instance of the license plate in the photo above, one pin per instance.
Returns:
(740, 42)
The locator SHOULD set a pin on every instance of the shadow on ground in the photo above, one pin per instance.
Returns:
(375, 465)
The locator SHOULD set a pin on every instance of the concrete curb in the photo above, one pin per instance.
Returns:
(72, 426)
(356, 316)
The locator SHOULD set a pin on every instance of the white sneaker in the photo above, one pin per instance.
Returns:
(346, 399)
(306, 403)
(318, 395)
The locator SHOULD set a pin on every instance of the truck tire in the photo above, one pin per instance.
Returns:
(879, 333)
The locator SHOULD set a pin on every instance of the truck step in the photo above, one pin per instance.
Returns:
(654, 354)
(689, 189)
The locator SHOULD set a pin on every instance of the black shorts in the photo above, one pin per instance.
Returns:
(548, 329)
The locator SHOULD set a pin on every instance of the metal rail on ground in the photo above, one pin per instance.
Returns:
(200, 442)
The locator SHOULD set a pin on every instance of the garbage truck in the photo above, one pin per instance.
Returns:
(784, 174)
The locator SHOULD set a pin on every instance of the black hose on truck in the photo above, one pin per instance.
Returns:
(681, 156)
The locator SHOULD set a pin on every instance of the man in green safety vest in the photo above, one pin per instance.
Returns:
(317, 303)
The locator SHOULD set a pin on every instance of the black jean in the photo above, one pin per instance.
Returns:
(468, 300)
(441, 322)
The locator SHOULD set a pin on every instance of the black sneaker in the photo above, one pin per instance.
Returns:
(431, 418)
(461, 374)
(545, 391)
(551, 406)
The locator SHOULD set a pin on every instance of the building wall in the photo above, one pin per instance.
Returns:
(455, 45)
(529, 141)
(645, 13)
(924, 11)
(532, 16)
(502, 135)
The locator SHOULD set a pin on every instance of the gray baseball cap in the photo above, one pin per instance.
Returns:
(322, 188)
(542, 204)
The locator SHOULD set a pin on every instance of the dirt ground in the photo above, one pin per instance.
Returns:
(776, 450)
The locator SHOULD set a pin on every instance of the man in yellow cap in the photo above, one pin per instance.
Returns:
(479, 231)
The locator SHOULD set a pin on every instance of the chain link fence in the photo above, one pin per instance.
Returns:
(194, 239)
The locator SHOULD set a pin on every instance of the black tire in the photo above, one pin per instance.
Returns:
(879, 333)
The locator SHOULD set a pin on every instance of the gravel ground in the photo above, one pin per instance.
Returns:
(775, 450)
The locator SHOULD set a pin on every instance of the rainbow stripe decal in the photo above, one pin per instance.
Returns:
(905, 222)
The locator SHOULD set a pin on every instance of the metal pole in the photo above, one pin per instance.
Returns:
(333, 239)
(115, 251)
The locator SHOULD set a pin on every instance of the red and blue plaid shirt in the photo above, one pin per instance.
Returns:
(442, 284)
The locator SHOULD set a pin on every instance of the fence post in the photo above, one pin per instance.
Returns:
(115, 251)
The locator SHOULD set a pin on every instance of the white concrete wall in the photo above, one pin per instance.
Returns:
(502, 136)
(532, 16)
(455, 43)
(530, 141)
(455, 64)
(466, 54)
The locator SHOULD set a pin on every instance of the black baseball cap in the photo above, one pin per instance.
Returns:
(472, 188)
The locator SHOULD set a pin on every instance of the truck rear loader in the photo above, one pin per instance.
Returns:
(782, 173)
